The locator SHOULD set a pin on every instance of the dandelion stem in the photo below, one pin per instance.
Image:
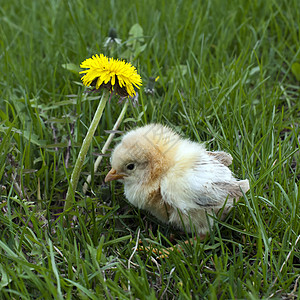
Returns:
(83, 151)
(106, 145)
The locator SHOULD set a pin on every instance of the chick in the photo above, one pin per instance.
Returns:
(175, 179)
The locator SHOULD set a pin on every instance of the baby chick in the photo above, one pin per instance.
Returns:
(175, 179)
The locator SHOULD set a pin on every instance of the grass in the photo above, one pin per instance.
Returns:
(226, 77)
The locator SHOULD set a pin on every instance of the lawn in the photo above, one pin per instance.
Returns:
(229, 76)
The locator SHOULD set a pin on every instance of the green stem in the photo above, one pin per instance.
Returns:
(106, 145)
(83, 151)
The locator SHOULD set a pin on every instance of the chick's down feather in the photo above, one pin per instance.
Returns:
(175, 179)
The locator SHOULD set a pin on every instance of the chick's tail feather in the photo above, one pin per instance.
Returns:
(244, 185)
(234, 189)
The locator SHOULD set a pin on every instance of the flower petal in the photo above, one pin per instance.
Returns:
(109, 70)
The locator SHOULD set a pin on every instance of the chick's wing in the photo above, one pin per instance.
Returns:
(200, 181)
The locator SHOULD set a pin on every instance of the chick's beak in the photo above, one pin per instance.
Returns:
(113, 175)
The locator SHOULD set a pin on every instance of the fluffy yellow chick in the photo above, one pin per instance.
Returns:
(170, 176)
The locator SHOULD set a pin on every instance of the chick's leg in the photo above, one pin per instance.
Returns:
(178, 247)
(164, 253)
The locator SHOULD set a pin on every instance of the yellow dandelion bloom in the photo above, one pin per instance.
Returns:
(113, 74)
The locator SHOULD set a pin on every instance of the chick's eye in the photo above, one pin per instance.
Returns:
(130, 166)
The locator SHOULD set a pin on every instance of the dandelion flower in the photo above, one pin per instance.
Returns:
(112, 74)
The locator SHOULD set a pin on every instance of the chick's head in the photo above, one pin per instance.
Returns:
(143, 155)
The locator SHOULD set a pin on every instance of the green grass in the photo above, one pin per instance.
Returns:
(226, 77)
